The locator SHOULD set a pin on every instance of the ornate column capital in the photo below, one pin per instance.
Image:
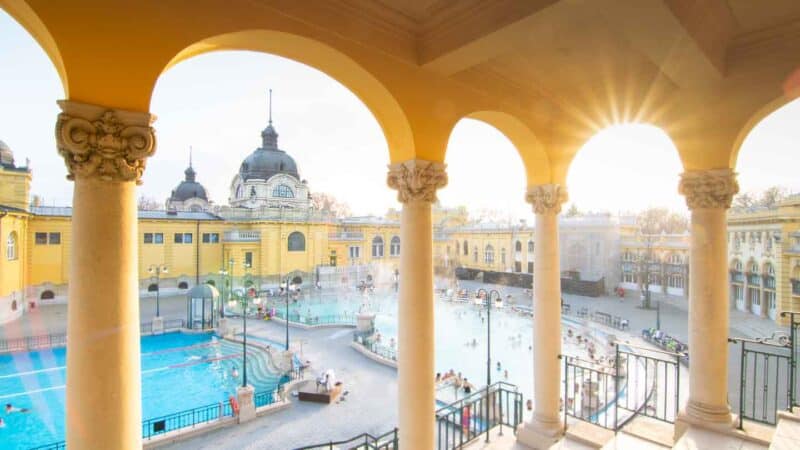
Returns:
(417, 180)
(546, 198)
(706, 189)
(108, 144)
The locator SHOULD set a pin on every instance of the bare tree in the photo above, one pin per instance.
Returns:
(652, 224)
(148, 204)
(743, 201)
(329, 204)
(772, 196)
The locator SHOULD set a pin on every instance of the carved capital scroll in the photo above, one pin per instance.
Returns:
(708, 188)
(417, 180)
(546, 198)
(103, 143)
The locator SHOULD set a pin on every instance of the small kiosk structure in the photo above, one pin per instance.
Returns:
(202, 307)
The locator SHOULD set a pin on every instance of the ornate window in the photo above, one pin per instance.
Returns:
(252, 191)
(518, 246)
(239, 191)
(297, 242)
(488, 255)
(503, 256)
(11, 246)
(394, 246)
(466, 248)
(530, 246)
(377, 247)
(475, 253)
(282, 191)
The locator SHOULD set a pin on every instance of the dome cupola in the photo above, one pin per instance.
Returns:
(268, 160)
(189, 188)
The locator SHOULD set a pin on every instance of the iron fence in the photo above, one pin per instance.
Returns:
(267, 397)
(54, 446)
(465, 420)
(33, 343)
(364, 441)
(794, 342)
(764, 379)
(185, 419)
(174, 324)
(637, 381)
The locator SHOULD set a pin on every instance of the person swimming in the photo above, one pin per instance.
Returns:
(235, 372)
(11, 409)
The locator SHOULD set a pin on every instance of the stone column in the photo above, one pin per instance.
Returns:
(546, 426)
(708, 194)
(105, 152)
(416, 182)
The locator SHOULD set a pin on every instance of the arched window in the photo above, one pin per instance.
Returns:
(282, 191)
(377, 247)
(239, 191)
(518, 246)
(394, 246)
(475, 253)
(211, 282)
(252, 191)
(466, 248)
(11, 246)
(503, 256)
(297, 242)
(488, 255)
(530, 246)
(152, 288)
(737, 266)
(47, 295)
(183, 285)
(13, 305)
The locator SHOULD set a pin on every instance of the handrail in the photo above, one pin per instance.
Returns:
(656, 350)
(362, 441)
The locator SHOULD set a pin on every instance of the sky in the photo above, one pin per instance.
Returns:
(217, 105)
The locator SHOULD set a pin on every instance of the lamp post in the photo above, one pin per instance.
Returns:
(488, 296)
(157, 270)
(287, 312)
(222, 274)
(243, 302)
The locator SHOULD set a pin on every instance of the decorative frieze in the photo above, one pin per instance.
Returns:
(103, 143)
(417, 180)
(707, 189)
(546, 198)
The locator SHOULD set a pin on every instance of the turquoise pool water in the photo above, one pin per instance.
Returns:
(461, 342)
(199, 363)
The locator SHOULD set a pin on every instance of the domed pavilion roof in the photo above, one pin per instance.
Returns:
(189, 187)
(268, 160)
(6, 155)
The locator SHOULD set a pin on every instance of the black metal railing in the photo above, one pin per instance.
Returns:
(764, 386)
(185, 419)
(794, 342)
(145, 327)
(54, 446)
(638, 381)
(364, 441)
(470, 417)
(368, 342)
(33, 343)
(652, 386)
(267, 397)
(174, 324)
(589, 390)
(330, 319)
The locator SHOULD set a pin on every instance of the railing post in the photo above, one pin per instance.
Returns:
(616, 385)
(743, 362)
(566, 392)
(792, 362)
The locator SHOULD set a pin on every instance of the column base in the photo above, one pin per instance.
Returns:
(704, 416)
(540, 434)
(247, 407)
(157, 325)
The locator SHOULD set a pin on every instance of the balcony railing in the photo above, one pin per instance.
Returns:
(346, 236)
(364, 441)
(242, 236)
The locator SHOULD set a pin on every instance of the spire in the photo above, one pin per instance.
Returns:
(269, 137)
(189, 172)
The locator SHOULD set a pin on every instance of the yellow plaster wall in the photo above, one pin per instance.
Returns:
(14, 188)
(49, 263)
(12, 272)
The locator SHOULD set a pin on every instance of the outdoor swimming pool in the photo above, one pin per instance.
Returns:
(457, 326)
(200, 364)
